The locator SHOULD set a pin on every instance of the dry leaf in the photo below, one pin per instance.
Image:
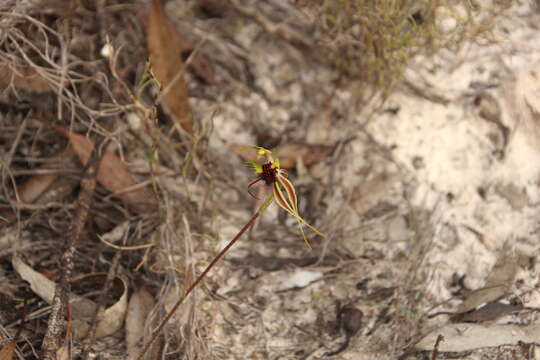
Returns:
(112, 318)
(82, 309)
(168, 67)
(44, 288)
(139, 307)
(22, 77)
(117, 233)
(481, 296)
(467, 337)
(45, 188)
(112, 174)
(490, 312)
(6, 353)
(32, 189)
(498, 283)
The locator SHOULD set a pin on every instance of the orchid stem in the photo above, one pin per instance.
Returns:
(197, 281)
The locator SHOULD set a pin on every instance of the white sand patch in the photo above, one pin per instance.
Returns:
(459, 177)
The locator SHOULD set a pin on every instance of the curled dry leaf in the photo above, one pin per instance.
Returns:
(117, 233)
(83, 309)
(110, 320)
(168, 67)
(139, 307)
(44, 288)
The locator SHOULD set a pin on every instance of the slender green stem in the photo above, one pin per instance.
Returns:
(199, 278)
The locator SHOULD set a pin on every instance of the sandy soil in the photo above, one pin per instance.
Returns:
(429, 202)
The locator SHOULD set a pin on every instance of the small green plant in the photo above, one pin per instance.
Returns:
(283, 193)
(374, 40)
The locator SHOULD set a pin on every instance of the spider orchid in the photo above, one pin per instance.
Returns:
(271, 173)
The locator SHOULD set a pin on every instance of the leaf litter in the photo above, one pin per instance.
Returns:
(113, 174)
(168, 67)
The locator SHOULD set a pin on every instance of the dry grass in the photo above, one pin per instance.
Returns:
(372, 41)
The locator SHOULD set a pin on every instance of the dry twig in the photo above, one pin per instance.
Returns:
(58, 321)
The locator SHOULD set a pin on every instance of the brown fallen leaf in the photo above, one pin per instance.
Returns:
(49, 187)
(112, 318)
(498, 283)
(489, 312)
(112, 174)
(35, 186)
(162, 42)
(6, 353)
(199, 62)
(43, 188)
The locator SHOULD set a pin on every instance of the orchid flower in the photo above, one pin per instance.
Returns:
(283, 191)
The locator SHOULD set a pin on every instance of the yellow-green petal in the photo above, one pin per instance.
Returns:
(286, 205)
(255, 166)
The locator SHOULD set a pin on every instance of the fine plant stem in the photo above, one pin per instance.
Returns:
(197, 281)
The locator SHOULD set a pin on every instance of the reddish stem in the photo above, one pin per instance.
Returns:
(196, 282)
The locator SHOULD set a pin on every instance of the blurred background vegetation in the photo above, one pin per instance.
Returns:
(373, 40)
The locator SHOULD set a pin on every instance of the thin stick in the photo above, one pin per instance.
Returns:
(198, 280)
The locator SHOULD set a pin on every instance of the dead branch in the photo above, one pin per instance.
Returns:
(57, 329)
